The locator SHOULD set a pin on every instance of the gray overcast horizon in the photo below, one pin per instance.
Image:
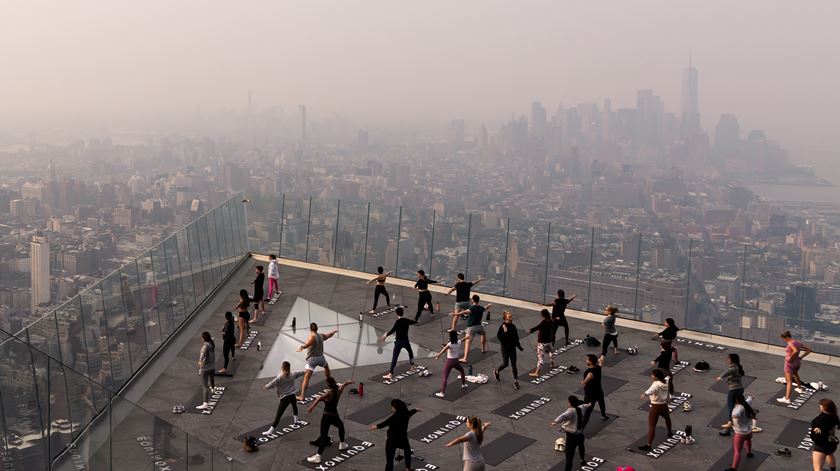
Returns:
(771, 63)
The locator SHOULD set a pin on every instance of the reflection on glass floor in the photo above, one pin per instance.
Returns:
(355, 344)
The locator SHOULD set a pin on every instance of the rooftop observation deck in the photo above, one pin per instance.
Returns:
(520, 436)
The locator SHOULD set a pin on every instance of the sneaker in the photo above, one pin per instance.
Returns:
(496, 375)
(782, 400)
(464, 386)
(799, 390)
(203, 406)
(343, 446)
(756, 429)
(750, 455)
(645, 448)
(439, 394)
(516, 384)
(605, 417)
(269, 431)
(316, 458)
(371, 311)
(388, 376)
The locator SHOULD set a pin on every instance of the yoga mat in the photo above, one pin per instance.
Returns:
(746, 464)
(285, 427)
(522, 406)
(372, 413)
(504, 447)
(796, 434)
(454, 391)
(437, 427)
(357, 446)
(608, 384)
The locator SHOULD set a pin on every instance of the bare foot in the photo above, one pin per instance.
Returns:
(534, 374)
(462, 360)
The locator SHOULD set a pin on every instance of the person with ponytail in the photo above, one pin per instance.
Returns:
(206, 368)
(742, 418)
(657, 393)
(795, 351)
(571, 421)
(734, 381)
(824, 433)
(472, 440)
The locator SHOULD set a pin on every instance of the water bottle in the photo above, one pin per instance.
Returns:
(259, 345)
(361, 316)
(361, 389)
(437, 306)
(294, 322)
(470, 370)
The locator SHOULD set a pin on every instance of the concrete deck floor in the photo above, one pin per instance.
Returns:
(245, 406)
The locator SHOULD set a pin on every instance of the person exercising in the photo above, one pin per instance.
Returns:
(314, 347)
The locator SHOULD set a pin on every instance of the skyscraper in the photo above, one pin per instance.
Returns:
(690, 111)
(40, 269)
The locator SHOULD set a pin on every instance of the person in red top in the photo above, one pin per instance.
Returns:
(545, 330)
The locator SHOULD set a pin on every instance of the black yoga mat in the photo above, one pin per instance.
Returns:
(746, 464)
(358, 447)
(504, 447)
(454, 391)
(372, 413)
(608, 384)
(796, 434)
(721, 387)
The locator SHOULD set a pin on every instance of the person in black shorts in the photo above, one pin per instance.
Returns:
(380, 288)
(475, 314)
(330, 417)
(424, 295)
(259, 294)
(593, 391)
(824, 433)
(462, 296)
(558, 315)
(669, 334)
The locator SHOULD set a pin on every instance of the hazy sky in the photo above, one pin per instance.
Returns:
(772, 63)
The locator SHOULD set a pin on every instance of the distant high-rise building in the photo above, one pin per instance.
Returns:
(40, 270)
(690, 111)
(727, 134)
(303, 124)
(362, 141)
(457, 133)
(649, 111)
(538, 120)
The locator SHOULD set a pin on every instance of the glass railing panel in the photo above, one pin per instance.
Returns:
(569, 252)
(214, 238)
(382, 236)
(96, 336)
(43, 334)
(352, 235)
(135, 317)
(24, 440)
(488, 251)
(176, 281)
(115, 322)
(186, 270)
(414, 249)
(295, 228)
(196, 271)
(322, 226)
(206, 259)
(71, 335)
(526, 261)
(149, 301)
(161, 292)
(451, 232)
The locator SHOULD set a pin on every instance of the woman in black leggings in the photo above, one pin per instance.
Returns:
(228, 340)
(397, 425)
(593, 391)
(380, 288)
(610, 332)
(424, 295)
(571, 421)
(330, 417)
(508, 337)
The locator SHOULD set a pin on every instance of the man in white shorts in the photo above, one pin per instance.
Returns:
(314, 356)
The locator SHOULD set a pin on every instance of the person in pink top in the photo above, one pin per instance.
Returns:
(795, 351)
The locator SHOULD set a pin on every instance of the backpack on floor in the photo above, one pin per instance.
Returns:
(591, 341)
(249, 444)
